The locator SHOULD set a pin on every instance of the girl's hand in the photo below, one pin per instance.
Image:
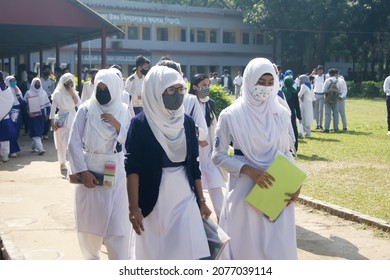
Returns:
(136, 217)
(260, 177)
(293, 196)
(203, 143)
(204, 210)
(54, 127)
(108, 118)
(89, 180)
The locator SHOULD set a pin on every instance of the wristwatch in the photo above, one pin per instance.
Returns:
(202, 199)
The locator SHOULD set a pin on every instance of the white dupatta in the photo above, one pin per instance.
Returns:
(166, 125)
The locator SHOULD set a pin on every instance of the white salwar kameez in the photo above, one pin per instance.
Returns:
(62, 100)
(101, 214)
(212, 176)
(192, 108)
(306, 97)
(260, 129)
(173, 230)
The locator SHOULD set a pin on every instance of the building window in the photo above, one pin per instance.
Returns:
(132, 33)
(146, 33)
(258, 39)
(213, 36)
(162, 34)
(121, 35)
(245, 38)
(192, 35)
(183, 35)
(229, 37)
(201, 36)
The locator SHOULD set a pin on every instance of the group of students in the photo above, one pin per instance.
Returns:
(35, 103)
(307, 97)
(141, 178)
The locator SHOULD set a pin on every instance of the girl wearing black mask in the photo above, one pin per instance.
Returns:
(163, 178)
(38, 109)
(96, 157)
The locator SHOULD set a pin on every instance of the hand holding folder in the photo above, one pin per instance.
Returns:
(288, 179)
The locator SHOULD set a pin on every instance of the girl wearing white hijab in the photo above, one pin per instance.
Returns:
(65, 99)
(258, 125)
(6, 102)
(37, 120)
(163, 178)
(98, 132)
(306, 97)
(16, 115)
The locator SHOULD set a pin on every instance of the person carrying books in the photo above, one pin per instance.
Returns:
(258, 127)
(65, 101)
(96, 155)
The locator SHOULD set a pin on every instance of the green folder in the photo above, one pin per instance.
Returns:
(288, 179)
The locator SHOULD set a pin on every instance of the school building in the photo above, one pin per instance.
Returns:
(202, 40)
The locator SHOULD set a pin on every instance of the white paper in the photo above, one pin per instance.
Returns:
(34, 105)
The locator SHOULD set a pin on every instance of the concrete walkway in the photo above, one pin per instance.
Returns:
(37, 219)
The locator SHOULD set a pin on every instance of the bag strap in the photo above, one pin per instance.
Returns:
(192, 111)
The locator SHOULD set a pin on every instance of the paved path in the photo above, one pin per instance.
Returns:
(37, 219)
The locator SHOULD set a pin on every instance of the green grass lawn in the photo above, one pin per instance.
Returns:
(351, 169)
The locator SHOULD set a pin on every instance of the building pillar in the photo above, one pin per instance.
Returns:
(104, 49)
(79, 64)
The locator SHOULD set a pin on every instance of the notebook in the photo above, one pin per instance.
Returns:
(288, 179)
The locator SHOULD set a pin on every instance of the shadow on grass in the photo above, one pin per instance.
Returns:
(304, 140)
(334, 246)
(312, 158)
(352, 132)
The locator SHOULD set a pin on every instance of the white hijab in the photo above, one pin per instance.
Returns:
(6, 102)
(97, 132)
(260, 128)
(14, 91)
(45, 102)
(167, 126)
(61, 96)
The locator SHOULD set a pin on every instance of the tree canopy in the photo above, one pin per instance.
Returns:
(312, 32)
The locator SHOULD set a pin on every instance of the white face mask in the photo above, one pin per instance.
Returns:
(261, 93)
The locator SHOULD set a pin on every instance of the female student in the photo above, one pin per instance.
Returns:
(38, 109)
(258, 126)
(65, 99)
(306, 97)
(163, 177)
(96, 154)
(212, 178)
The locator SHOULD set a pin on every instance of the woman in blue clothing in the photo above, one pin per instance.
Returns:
(6, 101)
(37, 119)
(163, 177)
(16, 115)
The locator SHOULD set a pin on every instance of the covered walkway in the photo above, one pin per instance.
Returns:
(33, 26)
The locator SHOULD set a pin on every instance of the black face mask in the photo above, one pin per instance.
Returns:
(174, 101)
(144, 72)
(37, 86)
(103, 96)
